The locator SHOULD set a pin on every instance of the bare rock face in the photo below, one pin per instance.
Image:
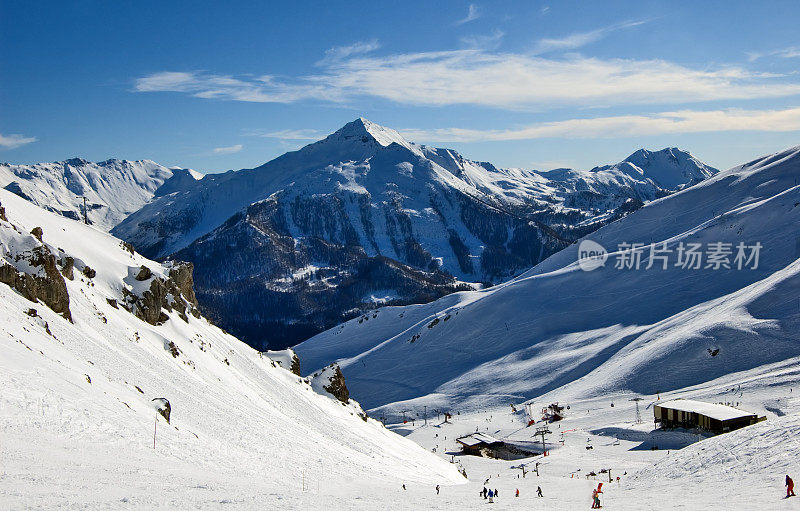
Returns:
(173, 293)
(182, 274)
(337, 387)
(47, 285)
(144, 274)
(37, 233)
(3, 214)
(67, 266)
(296, 365)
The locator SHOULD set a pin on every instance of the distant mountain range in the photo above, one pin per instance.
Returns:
(365, 218)
(113, 188)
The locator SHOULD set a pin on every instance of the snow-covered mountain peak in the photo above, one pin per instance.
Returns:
(368, 131)
(671, 167)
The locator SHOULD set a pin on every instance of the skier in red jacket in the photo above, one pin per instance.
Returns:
(789, 487)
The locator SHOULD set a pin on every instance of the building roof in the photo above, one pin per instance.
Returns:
(477, 438)
(712, 410)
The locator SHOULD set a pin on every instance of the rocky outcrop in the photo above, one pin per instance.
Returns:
(181, 274)
(46, 284)
(287, 359)
(67, 266)
(174, 293)
(144, 274)
(3, 214)
(295, 365)
(337, 386)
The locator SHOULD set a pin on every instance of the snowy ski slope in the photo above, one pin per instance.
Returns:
(76, 420)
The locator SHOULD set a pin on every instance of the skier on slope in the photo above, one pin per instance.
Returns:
(517, 495)
(539, 491)
(491, 497)
(789, 487)
(485, 493)
(437, 489)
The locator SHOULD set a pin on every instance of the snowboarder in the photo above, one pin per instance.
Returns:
(539, 491)
(491, 497)
(596, 496)
(437, 489)
(789, 487)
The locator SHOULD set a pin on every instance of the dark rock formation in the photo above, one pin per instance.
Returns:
(337, 387)
(181, 274)
(67, 265)
(89, 272)
(50, 288)
(37, 233)
(150, 305)
(144, 274)
(295, 365)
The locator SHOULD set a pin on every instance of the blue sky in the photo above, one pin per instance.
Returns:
(228, 85)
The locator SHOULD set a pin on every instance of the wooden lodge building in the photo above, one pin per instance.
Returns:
(478, 444)
(481, 444)
(687, 413)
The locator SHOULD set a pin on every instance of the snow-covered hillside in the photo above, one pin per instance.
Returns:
(309, 238)
(610, 329)
(113, 188)
(78, 380)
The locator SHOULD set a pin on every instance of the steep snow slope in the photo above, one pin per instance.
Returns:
(609, 329)
(75, 412)
(113, 189)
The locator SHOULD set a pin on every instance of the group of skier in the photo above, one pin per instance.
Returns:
(489, 494)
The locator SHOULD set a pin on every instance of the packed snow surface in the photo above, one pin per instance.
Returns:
(77, 423)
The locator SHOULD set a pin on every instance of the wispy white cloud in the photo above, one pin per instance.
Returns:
(483, 42)
(301, 134)
(544, 10)
(228, 150)
(792, 52)
(684, 121)
(14, 141)
(473, 13)
(580, 39)
(487, 78)
(343, 52)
